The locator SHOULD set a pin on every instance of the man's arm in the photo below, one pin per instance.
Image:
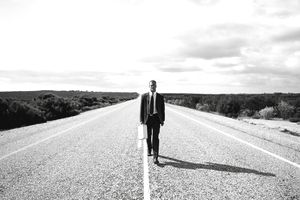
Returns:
(142, 110)
(163, 109)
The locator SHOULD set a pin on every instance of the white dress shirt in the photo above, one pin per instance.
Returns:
(154, 103)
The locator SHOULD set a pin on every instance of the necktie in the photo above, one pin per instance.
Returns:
(151, 105)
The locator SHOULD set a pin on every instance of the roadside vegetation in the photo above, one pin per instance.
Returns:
(41, 106)
(265, 106)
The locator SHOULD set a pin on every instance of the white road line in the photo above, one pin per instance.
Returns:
(237, 139)
(146, 172)
(57, 134)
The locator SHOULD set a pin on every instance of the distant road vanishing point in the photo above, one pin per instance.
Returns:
(94, 156)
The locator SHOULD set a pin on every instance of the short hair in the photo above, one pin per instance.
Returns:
(152, 81)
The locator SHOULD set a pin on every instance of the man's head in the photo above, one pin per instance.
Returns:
(152, 85)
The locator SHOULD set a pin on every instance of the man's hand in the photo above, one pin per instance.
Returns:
(162, 123)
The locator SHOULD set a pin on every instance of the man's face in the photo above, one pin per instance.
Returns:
(152, 86)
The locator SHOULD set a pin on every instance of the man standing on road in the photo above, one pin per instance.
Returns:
(152, 113)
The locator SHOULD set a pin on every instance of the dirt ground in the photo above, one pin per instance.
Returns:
(279, 124)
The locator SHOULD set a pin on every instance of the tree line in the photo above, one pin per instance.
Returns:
(48, 106)
(267, 106)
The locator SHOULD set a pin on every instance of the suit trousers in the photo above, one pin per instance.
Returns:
(153, 126)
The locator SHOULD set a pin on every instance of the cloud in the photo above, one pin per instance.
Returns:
(129, 81)
(268, 72)
(14, 7)
(213, 49)
(292, 35)
(205, 2)
(179, 68)
(218, 31)
(14, 3)
(270, 83)
(224, 65)
(215, 41)
(277, 8)
(74, 79)
(162, 59)
(257, 79)
(172, 63)
(226, 29)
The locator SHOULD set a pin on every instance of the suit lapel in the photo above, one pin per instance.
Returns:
(147, 97)
(158, 101)
(147, 101)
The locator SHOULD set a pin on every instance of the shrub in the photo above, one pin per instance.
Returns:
(3, 106)
(171, 101)
(256, 115)
(245, 113)
(230, 107)
(47, 96)
(212, 102)
(258, 102)
(296, 102)
(294, 119)
(86, 100)
(15, 114)
(222, 106)
(285, 110)
(179, 102)
(113, 100)
(34, 115)
(87, 108)
(191, 101)
(4, 113)
(204, 107)
(267, 112)
(297, 112)
(56, 107)
(254, 103)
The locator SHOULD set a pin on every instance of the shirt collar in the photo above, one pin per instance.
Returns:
(150, 93)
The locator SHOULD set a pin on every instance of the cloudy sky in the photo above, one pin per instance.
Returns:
(188, 46)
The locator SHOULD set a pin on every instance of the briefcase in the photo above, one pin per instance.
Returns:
(142, 132)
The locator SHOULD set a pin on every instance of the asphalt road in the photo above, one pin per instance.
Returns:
(95, 156)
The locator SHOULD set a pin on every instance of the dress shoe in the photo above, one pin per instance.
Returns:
(155, 160)
(149, 154)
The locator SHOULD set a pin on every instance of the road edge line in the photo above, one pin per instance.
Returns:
(238, 139)
(57, 134)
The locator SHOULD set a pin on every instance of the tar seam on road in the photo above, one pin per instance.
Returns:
(57, 134)
(238, 139)
(146, 172)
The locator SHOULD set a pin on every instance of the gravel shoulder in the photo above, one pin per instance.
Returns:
(277, 124)
(262, 132)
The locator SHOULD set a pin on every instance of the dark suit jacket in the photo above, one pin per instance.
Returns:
(145, 107)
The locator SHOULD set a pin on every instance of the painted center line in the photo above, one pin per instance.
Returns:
(237, 139)
(146, 172)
